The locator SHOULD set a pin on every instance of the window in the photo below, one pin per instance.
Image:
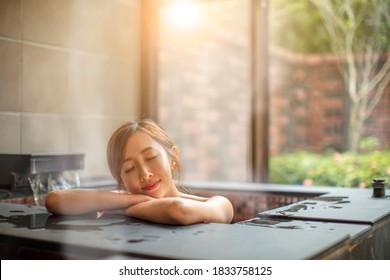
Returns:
(205, 86)
(329, 92)
(236, 102)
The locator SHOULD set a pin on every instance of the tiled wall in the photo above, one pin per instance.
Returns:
(68, 75)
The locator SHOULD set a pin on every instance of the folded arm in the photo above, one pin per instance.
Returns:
(183, 210)
(83, 201)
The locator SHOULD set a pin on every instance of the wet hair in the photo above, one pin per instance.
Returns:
(117, 144)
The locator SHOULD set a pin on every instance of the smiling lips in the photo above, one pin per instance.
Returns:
(151, 186)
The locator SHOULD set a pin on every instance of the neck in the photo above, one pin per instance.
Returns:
(173, 191)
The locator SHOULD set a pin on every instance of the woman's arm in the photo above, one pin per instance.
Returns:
(184, 210)
(82, 201)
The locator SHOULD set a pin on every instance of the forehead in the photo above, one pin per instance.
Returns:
(138, 142)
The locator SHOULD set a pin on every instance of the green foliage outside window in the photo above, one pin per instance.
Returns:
(330, 169)
(297, 26)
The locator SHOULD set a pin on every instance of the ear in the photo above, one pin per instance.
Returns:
(175, 150)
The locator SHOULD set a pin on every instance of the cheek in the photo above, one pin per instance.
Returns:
(162, 167)
(129, 183)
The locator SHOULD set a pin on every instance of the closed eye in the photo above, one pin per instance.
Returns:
(128, 170)
(152, 157)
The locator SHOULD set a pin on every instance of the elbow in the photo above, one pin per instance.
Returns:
(52, 202)
(229, 213)
(224, 213)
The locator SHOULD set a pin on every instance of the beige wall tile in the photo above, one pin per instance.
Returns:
(10, 75)
(45, 133)
(106, 27)
(90, 136)
(103, 86)
(124, 30)
(122, 89)
(45, 80)
(47, 21)
(10, 133)
(99, 26)
(88, 80)
(11, 18)
(74, 74)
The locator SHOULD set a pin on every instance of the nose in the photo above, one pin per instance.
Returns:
(145, 174)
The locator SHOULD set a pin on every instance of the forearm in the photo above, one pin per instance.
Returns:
(183, 211)
(81, 201)
(157, 211)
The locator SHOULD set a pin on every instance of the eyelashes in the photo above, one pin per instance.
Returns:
(151, 158)
(130, 169)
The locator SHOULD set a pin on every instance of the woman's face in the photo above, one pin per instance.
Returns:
(146, 168)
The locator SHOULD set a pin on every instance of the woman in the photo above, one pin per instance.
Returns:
(142, 159)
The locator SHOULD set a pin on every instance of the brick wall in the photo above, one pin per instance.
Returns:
(308, 104)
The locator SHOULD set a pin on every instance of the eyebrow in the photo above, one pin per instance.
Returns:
(142, 152)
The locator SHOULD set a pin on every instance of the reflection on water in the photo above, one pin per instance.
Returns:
(337, 199)
(32, 221)
(271, 223)
(81, 223)
(57, 222)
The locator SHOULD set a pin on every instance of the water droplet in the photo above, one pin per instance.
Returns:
(136, 240)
